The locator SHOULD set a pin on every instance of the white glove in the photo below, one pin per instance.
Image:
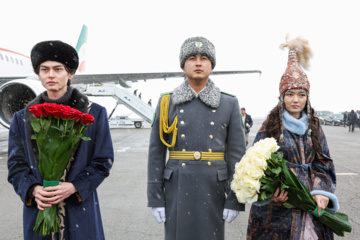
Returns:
(159, 214)
(229, 215)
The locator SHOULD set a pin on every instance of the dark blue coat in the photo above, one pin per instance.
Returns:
(92, 163)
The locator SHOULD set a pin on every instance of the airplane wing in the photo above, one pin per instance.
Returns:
(125, 79)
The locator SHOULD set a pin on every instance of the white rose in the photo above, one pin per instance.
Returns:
(245, 196)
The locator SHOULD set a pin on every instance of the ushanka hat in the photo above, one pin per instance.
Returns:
(54, 51)
(294, 76)
(197, 46)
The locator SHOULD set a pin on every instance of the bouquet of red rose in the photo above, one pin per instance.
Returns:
(58, 132)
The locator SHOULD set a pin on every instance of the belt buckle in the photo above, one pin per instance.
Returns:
(197, 155)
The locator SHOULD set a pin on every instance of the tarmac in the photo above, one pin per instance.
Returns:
(123, 199)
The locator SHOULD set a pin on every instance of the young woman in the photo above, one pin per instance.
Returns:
(298, 132)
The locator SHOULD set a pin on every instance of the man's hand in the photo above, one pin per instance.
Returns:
(52, 195)
(229, 215)
(159, 214)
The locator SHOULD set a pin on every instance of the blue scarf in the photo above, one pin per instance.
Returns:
(298, 126)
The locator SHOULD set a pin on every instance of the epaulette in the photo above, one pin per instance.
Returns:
(232, 95)
(165, 93)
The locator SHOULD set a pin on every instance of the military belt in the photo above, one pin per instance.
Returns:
(199, 156)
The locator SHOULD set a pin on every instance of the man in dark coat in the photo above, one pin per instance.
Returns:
(201, 128)
(247, 123)
(352, 120)
(55, 63)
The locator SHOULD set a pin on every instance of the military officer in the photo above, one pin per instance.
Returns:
(201, 128)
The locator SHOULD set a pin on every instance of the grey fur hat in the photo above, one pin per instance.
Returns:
(54, 51)
(197, 45)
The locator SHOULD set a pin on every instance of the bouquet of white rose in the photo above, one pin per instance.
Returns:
(260, 172)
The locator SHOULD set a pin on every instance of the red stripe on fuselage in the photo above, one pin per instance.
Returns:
(82, 67)
(6, 50)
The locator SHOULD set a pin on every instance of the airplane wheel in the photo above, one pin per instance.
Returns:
(137, 124)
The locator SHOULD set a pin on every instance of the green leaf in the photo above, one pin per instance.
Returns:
(54, 127)
(291, 179)
(279, 155)
(300, 199)
(269, 173)
(35, 123)
(336, 221)
(85, 138)
(276, 170)
(288, 205)
(263, 180)
(283, 186)
(262, 196)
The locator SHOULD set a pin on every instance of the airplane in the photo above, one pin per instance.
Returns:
(19, 84)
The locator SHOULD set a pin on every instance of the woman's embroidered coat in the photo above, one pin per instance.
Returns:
(274, 221)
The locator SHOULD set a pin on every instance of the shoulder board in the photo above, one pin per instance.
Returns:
(232, 95)
(165, 93)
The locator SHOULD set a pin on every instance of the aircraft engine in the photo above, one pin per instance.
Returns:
(15, 95)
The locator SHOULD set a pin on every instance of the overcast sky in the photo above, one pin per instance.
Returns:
(145, 36)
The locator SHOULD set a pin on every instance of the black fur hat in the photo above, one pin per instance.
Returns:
(54, 51)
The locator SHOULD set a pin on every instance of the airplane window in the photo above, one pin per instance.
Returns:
(17, 62)
(21, 63)
(1, 57)
(7, 58)
(12, 60)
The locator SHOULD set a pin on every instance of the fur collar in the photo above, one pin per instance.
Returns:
(210, 95)
(73, 97)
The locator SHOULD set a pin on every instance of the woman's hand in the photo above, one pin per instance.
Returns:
(282, 197)
(322, 202)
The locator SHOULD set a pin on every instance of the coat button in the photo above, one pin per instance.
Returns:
(209, 163)
(214, 110)
(210, 150)
(182, 122)
(211, 136)
(183, 164)
(184, 150)
(181, 110)
(212, 123)
(182, 135)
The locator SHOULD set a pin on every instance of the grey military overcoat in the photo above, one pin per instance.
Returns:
(195, 193)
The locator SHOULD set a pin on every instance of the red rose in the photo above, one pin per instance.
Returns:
(37, 110)
(77, 115)
(52, 109)
(87, 119)
(67, 112)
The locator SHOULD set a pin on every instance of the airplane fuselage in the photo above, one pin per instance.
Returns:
(13, 63)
